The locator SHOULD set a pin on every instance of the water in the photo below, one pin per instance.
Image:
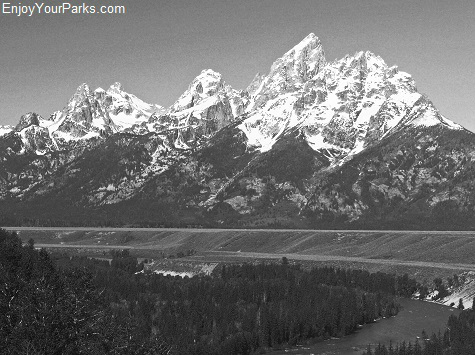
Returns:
(406, 326)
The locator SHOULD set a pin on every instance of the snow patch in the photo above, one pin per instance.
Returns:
(69, 137)
(400, 103)
(317, 142)
(466, 292)
(173, 273)
(5, 130)
(450, 123)
(204, 104)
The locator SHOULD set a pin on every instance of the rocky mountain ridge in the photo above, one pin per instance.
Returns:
(360, 95)
(301, 146)
(207, 106)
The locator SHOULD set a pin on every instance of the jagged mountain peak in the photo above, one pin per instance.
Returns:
(358, 99)
(208, 77)
(115, 88)
(207, 106)
(289, 72)
(304, 50)
(27, 120)
(206, 84)
(209, 72)
(84, 87)
(309, 142)
(364, 60)
(340, 107)
(101, 113)
(204, 89)
(81, 94)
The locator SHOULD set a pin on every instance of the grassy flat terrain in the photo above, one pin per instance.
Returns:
(421, 254)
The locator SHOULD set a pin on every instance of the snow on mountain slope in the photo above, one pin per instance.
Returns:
(265, 126)
(290, 72)
(340, 107)
(101, 113)
(5, 129)
(32, 135)
(126, 110)
(276, 100)
(88, 114)
(310, 144)
(204, 108)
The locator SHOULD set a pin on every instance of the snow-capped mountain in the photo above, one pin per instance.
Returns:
(100, 113)
(204, 108)
(340, 107)
(88, 115)
(312, 143)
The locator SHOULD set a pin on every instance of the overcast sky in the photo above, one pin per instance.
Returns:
(158, 47)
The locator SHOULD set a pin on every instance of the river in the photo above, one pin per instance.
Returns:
(406, 326)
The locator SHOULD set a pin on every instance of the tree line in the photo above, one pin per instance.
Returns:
(57, 304)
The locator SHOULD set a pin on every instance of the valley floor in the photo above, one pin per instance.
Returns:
(423, 255)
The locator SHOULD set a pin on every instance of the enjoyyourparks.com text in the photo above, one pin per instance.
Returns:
(42, 8)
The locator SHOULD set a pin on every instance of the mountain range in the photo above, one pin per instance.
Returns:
(313, 143)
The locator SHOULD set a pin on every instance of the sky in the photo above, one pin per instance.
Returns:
(158, 47)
